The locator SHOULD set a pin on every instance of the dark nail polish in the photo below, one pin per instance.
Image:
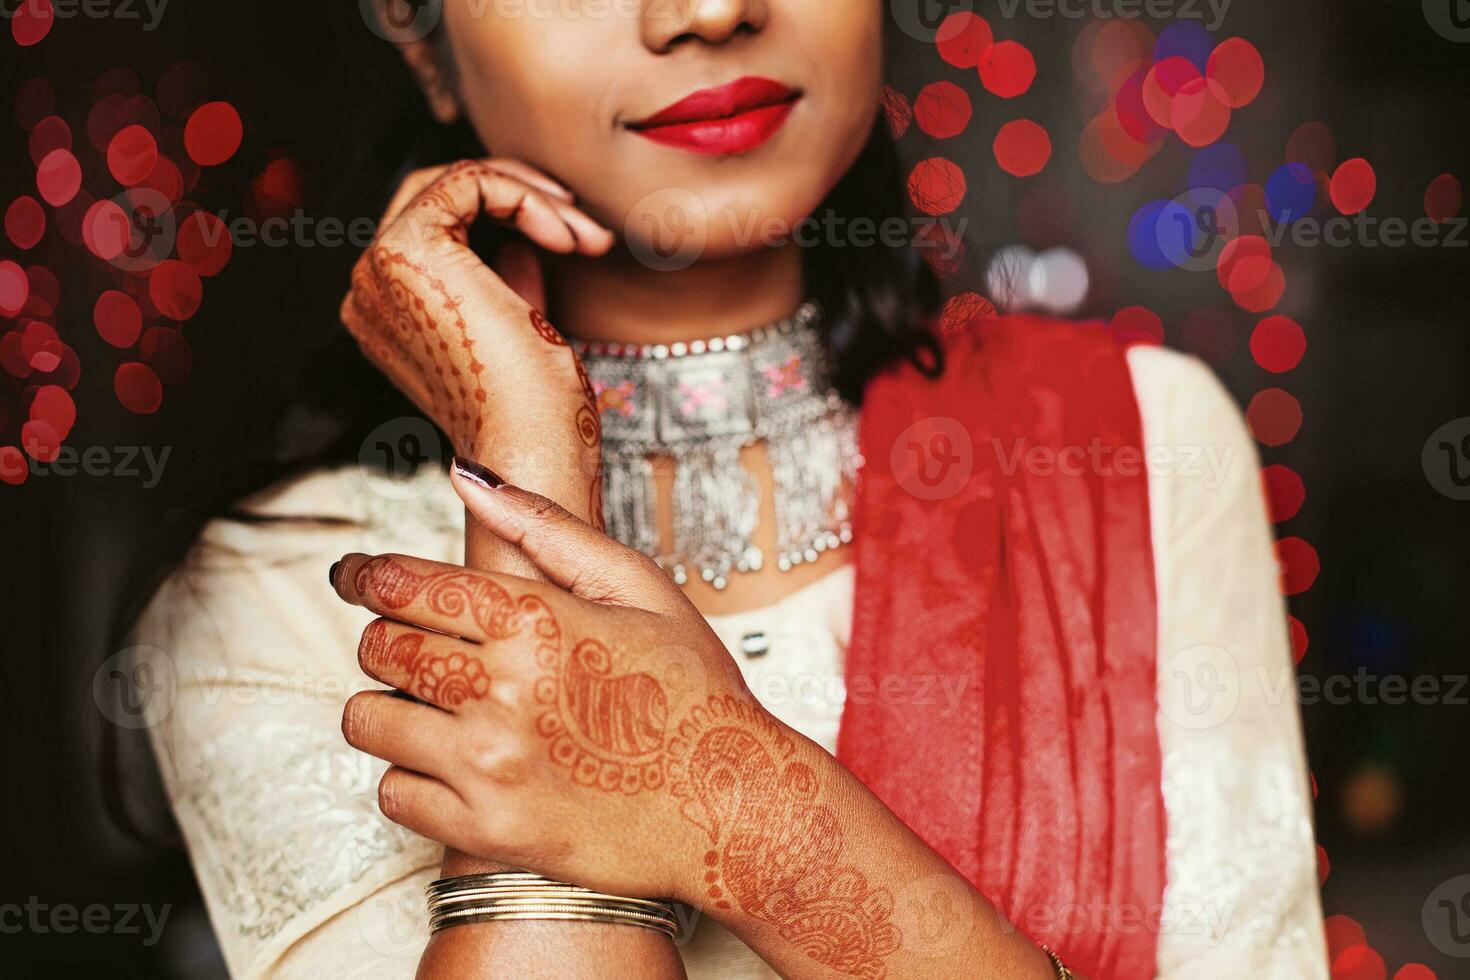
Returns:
(332, 573)
(477, 474)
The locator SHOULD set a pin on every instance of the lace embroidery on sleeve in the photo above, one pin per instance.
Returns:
(291, 814)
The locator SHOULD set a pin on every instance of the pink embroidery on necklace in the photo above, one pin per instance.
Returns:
(784, 377)
(617, 398)
(697, 396)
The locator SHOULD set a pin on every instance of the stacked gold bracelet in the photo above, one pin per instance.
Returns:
(520, 895)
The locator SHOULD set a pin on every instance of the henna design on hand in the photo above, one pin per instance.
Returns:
(776, 850)
(607, 729)
(383, 291)
(545, 330)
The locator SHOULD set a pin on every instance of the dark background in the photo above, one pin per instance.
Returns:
(1387, 351)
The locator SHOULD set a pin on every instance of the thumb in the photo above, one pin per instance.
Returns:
(518, 265)
(570, 552)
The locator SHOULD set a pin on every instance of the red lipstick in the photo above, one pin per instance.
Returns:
(733, 118)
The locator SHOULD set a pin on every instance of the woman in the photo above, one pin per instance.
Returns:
(997, 626)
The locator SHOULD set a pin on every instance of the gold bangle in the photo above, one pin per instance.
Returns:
(520, 895)
(1056, 963)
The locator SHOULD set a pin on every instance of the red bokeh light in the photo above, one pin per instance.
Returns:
(1236, 72)
(1359, 962)
(138, 388)
(175, 290)
(1444, 198)
(1007, 69)
(1137, 325)
(40, 440)
(55, 407)
(943, 110)
(25, 222)
(937, 186)
(963, 39)
(13, 466)
(1164, 81)
(1353, 186)
(1022, 148)
(1269, 284)
(14, 288)
(204, 243)
(1200, 118)
(1285, 492)
(1300, 643)
(106, 230)
(51, 133)
(213, 134)
(34, 101)
(1299, 565)
(1314, 145)
(132, 155)
(117, 318)
(1414, 971)
(898, 111)
(58, 177)
(45, 291)
(1274, 417)
(31, 21)
(963, 309)
(167, 352)
(1278, 344)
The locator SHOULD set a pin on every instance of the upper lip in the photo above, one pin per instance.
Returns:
(722, 102)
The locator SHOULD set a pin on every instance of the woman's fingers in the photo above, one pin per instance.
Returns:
(425, 805)
(455, 198)
(532, 176)
(569, 552)
(402, 732)
(478, 606)
(441, 670)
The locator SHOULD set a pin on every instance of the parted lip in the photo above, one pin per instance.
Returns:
(723, 102)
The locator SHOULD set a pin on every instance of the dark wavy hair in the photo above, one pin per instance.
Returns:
(879, 303)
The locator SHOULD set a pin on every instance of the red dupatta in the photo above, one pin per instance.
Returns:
(1026, 587)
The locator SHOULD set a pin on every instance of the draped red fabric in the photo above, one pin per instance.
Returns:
(1001, 674)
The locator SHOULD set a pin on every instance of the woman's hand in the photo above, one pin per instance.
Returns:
(550, 737)
(593, 729)
(468, 347)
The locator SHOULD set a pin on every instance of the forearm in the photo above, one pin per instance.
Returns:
(539, 949)
(827, 880)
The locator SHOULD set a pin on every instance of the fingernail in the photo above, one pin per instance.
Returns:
(332, 573)
(481, 476)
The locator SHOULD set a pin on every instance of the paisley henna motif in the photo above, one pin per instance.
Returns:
(776, 851)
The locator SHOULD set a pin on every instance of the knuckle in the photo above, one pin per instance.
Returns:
(357, 719)
(390, 796)
(372, 645)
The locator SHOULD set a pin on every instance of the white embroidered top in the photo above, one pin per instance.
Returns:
(304, 878)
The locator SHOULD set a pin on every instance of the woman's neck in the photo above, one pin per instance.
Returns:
(618, 298)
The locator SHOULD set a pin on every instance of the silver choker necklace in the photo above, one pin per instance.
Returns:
(700, 403)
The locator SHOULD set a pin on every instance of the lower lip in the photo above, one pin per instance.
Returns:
(722, 137)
